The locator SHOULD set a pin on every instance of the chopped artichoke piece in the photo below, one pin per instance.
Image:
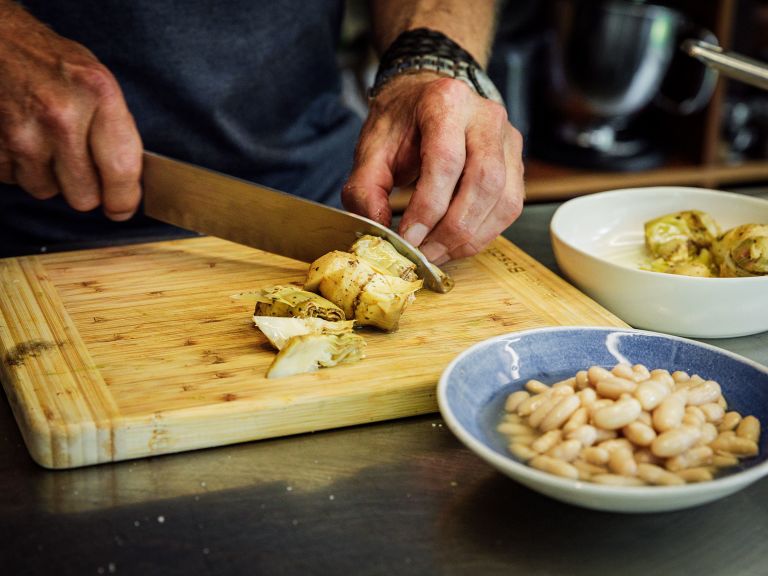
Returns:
(701, 265)
(309, 352)
(678, 237)
(743, 251)
(383, 256)
(292, 301)
(371, 298)
(278, 330)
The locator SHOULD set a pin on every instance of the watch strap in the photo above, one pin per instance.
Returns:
(422, 49)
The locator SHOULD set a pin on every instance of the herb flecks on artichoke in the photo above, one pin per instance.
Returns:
(361, 289)
(743, 251)
(292, 301)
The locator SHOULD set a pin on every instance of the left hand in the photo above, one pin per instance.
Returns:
(459, 147)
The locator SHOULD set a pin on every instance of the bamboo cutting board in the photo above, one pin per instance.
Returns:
(119, 353)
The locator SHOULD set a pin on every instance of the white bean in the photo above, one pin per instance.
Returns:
(675, 441)
(567, 450)
(639, 433)
(657, 475)
(546, 441)
(585, 434)
(651, 393)
(613, 387)
(708, 391)
(555, 466)
(618, 415)
(515, 399)
(536, 387)
(749, 428)
(670, 412)
(560, 413)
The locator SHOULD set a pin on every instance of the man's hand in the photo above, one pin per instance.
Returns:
(64, 125)
(464, 155)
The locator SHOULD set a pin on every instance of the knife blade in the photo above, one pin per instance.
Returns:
(206, 201)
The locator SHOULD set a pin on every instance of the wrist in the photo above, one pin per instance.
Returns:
(422, 50)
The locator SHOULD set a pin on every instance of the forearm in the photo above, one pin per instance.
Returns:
(470, 24)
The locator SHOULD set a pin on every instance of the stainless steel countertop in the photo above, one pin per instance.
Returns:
(399, 497)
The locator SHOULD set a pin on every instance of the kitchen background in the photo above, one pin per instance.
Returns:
(604, 97)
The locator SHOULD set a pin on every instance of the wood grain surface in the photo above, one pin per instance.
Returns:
(125, 352)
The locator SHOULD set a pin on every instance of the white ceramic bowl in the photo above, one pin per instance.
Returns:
(473, 388)
(598, 241)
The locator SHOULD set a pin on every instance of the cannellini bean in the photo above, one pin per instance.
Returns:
(749, 428)
(651, 393)
(730, 421)
(587, 470)
(546, 441)
(560, 413)
(675, 441)
(618, 415)
(680, 376)
(645, 418)
(515, 399)
(657, 475)
(522, 451)
(577, 420)
(587, 396)
(514, 429)
(645, 456)
(640, 373)
(613, 387)
(603, 434)
(585, 434)
(569, 382)
(724, 460)
(708, 434)
(536, 387)
(538, 415)
(713, 412)
(736, 445)
(567, 450)
(555, 466)
(695, 474)
(708, 391)
(528, 405)
(623, 371)
(595, 455)
(621, 461)
(670, 412)
(615, 444)
(639, 433)
(693, 458)
(582, 380)
(595, 374)
(617, 480)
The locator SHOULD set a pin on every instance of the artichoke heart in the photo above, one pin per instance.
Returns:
(383, 256)
(363, 293)
(292, 301)
(279, 330)
(743, 251)
(678, 237)
(309, 352)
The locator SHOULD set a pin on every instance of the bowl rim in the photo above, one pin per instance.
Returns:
(725, 484)
(555, 227)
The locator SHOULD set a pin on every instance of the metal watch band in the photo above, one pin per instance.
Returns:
(423, 49)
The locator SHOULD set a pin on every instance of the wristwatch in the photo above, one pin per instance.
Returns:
(423, 49)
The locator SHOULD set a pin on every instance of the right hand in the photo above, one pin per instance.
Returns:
(64, 124)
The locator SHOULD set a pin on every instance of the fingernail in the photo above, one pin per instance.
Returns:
(434, 251)
(119, 216)
(442, 260)
(415, 233)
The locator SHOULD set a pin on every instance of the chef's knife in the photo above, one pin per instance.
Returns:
(211, 203)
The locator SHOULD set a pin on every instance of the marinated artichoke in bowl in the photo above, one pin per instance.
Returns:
(691, 243)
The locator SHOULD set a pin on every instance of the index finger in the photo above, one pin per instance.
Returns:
(116, 149)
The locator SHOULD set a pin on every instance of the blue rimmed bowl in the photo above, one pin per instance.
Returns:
(474, 386)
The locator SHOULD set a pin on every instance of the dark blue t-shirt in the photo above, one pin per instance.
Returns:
(248, 88)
